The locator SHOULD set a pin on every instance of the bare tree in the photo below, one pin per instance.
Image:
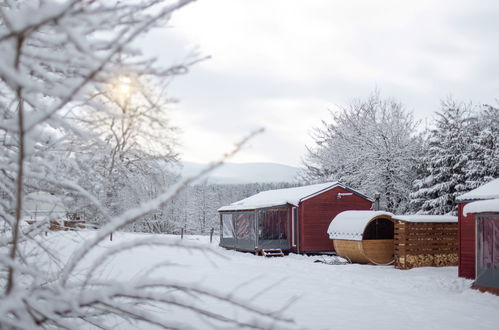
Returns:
(371, 145)
(54, 54)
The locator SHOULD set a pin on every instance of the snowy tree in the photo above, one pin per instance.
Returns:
(483, 150)
(371, 145)
(446, 160)
(54, 54)
(137, 139)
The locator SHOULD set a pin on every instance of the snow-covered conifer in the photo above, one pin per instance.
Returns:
(446, 160)
(483, 149)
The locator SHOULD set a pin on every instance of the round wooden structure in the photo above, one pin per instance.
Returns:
(372, 239)
(376, 251)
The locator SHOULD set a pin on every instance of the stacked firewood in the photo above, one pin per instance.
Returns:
(426, 260)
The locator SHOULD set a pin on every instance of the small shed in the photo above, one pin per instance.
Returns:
(467, 224)
(292, 219)
(425, 240)
(379, 237)
(42, 206)
(486, 215)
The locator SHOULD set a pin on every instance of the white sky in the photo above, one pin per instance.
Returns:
(283, 64)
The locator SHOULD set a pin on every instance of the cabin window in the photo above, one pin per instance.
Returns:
(273, 224)
(227, 225)
(245, 225)
(489, 243)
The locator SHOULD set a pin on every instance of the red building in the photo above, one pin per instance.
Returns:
(293, 219)
(467, 227)
(486, 216)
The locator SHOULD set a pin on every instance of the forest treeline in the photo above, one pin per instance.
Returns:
(375, 145)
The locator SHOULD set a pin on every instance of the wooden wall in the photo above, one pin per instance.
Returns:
(316, 213)
(466, 263)
(420, 244)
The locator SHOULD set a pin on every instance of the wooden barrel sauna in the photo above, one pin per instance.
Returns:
(364, 237)
(375, 251)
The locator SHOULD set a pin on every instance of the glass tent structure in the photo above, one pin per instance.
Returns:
(257, 229)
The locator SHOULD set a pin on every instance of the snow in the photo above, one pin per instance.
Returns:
(426, 218)
(487, 191)
(350, 225)
(322, 296)
(491, 205)
(242, 173)
(278, 197)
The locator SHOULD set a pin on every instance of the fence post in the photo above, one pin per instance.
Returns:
(182, 233)
(211, 234)
(111, 236)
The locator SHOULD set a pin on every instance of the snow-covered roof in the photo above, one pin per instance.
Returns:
(425, 218)
(278, 197)
(350, 225)
(39, 204)
(490, 205)
(489, 190)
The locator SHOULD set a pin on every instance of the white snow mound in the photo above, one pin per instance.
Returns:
(350, 225)
(491, 205)
(489, 190)
(278, 197)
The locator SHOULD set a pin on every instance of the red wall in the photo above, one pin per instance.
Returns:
(316, 213)
(466, 263)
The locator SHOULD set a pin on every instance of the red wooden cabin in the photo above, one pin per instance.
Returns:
(467, 226)
(486, 217)
(293, 219)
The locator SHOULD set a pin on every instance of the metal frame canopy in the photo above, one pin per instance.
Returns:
(251, 230)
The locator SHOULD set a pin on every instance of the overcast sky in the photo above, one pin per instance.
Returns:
(283, 64)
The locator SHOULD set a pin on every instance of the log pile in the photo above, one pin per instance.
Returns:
(425, 244)
(426, 260)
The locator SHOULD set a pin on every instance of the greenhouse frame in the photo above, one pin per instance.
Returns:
(258, 229)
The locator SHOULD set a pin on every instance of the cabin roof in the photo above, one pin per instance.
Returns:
(490, 205)
(425, 218)
(286, 196)
(489, 190)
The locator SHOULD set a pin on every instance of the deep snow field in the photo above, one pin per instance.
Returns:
(323, 296)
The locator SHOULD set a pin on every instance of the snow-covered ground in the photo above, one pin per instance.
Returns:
(323, 296)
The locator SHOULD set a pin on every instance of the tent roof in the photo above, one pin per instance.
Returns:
(491, 205)
(278, 197)
(350, 225)
(489, 190)
(425, 218)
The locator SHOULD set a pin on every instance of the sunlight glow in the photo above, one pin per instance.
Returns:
(122, 87)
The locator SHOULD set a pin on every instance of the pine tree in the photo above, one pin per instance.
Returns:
(446, 160)
(483, 164)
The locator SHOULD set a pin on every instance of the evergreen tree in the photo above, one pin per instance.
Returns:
(446, 160)
(483, 164)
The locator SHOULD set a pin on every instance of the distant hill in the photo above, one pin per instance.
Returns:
(244, 172)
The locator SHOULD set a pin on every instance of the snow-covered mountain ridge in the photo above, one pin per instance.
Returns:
(243, 172)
